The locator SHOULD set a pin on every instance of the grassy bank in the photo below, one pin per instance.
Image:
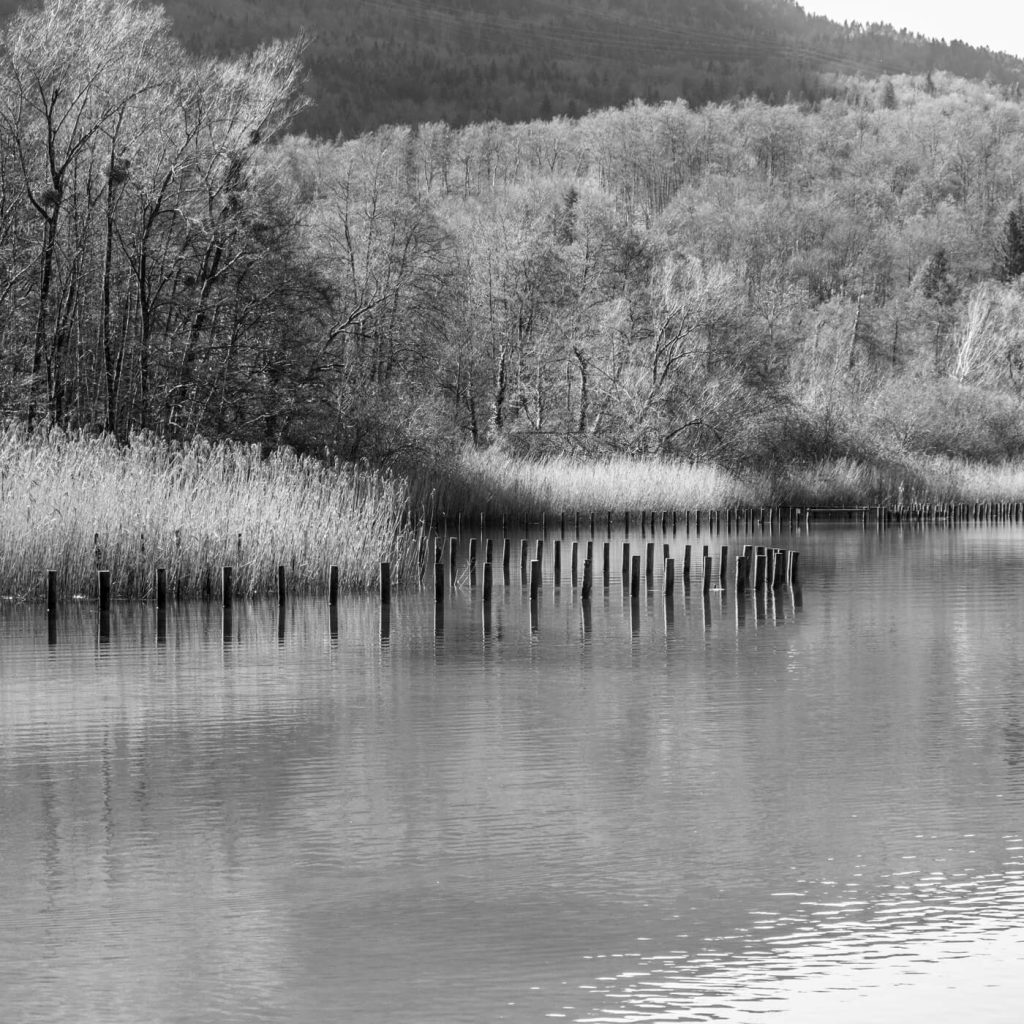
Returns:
(497, 484)
(78, 504)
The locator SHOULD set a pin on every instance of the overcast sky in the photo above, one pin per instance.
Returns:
(997, 24)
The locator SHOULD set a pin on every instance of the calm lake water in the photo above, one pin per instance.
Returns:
(801, 808)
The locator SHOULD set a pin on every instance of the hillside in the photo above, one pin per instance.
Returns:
(374, 62)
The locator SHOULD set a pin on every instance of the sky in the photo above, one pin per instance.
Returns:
(997, 24)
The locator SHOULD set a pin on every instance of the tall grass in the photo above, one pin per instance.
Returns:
(496, 483)
(914, 478)
(77, 504)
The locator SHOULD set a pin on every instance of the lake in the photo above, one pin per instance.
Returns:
(797, 806)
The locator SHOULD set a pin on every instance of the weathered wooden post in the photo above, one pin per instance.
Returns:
(540, 551)
(524, 561)
(103, 588)
(280, 585)
(453, 556)
(588, 579)
(634, 578)
(439, 582)
(489, 550)
(649, 566)
(534, 579)
(706, 582)
(558, 564)
(488, 581)
(741, 574)
(506, 555)
(51, 591)
(748, 558)
(794, 559)
(573, 562)
(385, 583)
(670, 576)
(333, 585)
(781, 561)
(606, 563)
(724, 567)
(226, 586)
(686, 562)
(625, 564)
(472, 561)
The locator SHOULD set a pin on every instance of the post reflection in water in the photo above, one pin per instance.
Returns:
(817, 820)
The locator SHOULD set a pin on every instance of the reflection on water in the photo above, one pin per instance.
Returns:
(792, 804)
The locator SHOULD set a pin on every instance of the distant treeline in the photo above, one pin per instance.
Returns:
(752, 284)
(375, 62)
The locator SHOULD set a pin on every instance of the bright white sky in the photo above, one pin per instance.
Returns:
(997, 24)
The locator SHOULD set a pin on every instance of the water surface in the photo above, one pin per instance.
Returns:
(803, 805)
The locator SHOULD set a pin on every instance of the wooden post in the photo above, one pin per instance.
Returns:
(280, 585)
(489, 550)
(670, 576)
(573, 573)
(540, 551)
(650, 562)
(724, 567)
(606, 563)
(686, 561)
(506, 555)
(488, 581)
(769, 567)
(453, 554)
(625, 564)
(634, 578)
(665, 553)
(558, 564)
(103, 581)
(439, 582)
(794, 558)
(472, 561)
(226, 586)
(524, 560)
(588, 579)
(161, 589)
(385, 583)
(741, 573)
(333, 587)
(51, 590)
(748, 558)
(706, 582)
(534, 579)
(759, 565)
(781, 558)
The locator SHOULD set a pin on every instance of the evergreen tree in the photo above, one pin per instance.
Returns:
(1011, 256)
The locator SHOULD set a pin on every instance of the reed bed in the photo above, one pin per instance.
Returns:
(498, 484)
(915, 479)
(77, 504)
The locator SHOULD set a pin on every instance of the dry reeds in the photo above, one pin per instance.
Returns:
(77, 504)
(496, 483)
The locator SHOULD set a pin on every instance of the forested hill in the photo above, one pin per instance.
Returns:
(374, 62)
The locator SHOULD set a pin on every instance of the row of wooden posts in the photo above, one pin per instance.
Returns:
(736, 518)
(764, 517)
(758, 567)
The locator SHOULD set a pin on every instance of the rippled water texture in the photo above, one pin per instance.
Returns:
(801, 808)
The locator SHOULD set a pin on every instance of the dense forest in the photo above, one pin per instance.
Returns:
(375, 62)
(745, 283)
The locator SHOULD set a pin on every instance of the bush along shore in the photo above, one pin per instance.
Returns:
(77, 504)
